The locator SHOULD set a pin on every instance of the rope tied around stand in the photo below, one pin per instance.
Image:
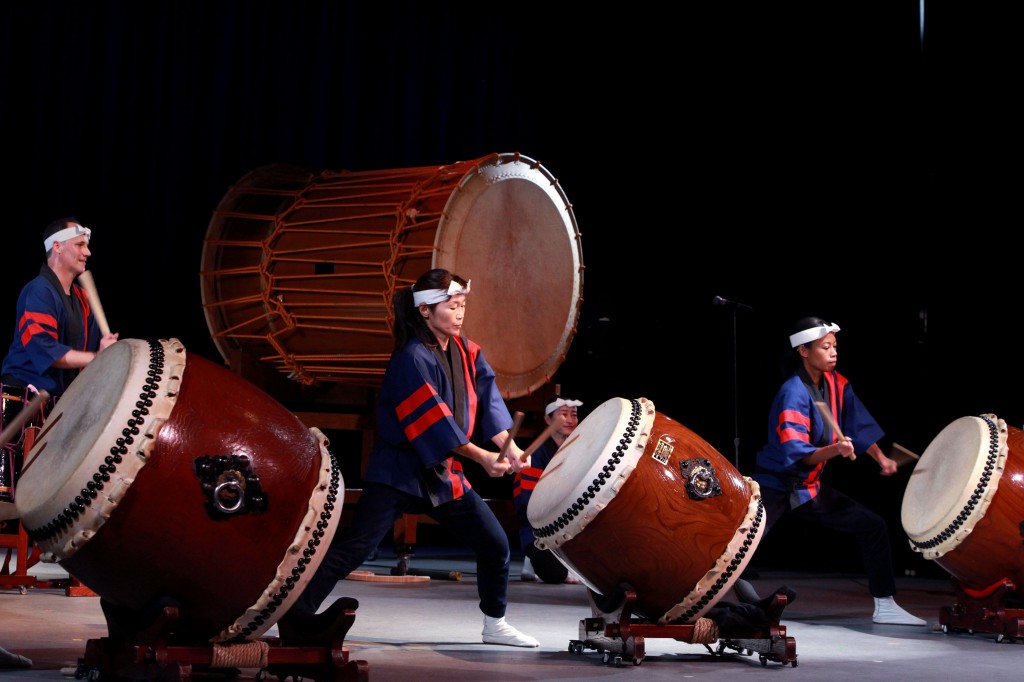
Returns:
(247, 655)
(705, 631)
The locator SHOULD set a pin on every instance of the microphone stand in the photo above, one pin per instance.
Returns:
(718, 300)
(735, 394)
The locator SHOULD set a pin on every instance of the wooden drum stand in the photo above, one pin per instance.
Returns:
(618, 635)
(153, 654)
(991, 610)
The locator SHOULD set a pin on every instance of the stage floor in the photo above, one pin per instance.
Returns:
(431, 631)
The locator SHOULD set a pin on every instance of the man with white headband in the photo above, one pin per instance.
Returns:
(539, 563)
(56, 334)
(800, 444)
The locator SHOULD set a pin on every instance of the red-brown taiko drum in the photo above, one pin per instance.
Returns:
(635, 498)
(160, 477)
(963, 507)
(299, 268)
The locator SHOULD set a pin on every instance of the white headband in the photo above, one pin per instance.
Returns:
(812, 334)
(69, 232)
(431, 296)
(560, 402)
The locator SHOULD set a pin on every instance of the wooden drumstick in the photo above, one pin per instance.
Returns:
(8, 434)
(544, 435)
(826, 414)
(902, 456)
(517, 421)
(86, 280)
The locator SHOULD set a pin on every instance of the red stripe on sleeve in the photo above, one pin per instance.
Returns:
(786, 435)
(40, 318)
(795, 417)
(32, 330)
(412, 403)
(436, 413)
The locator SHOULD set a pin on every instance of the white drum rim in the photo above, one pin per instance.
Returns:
(302, 557)
(62, 528)
(949, 531)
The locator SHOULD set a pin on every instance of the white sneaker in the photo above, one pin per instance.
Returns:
(888, 612)
(527, 574)
(498, 631)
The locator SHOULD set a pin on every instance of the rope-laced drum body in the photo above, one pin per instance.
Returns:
(299, 268)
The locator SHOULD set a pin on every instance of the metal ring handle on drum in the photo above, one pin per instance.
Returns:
(240, 497)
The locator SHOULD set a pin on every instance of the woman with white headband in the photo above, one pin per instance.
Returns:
(800, 444)
(438, 402)
(539, 563)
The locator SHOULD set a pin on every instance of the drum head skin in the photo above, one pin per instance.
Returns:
(953, 484)
(161, 478)
(511, 230)
(964, 503)
(59, 466)
(635, 498)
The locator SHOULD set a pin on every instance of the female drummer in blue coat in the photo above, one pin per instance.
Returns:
(438, 402)
(800, 444)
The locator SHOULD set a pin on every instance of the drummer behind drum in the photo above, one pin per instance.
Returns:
(542, 564)
(57, 332)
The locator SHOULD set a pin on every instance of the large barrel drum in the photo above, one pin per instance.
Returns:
(299, 268)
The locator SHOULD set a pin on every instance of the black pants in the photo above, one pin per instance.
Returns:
(468, 518)
(841, 513)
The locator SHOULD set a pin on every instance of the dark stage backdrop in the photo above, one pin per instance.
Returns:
(806, 158)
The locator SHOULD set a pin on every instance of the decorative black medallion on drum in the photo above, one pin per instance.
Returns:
(635, 499)
(701, 481)
(121, 489)
(230, 485)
